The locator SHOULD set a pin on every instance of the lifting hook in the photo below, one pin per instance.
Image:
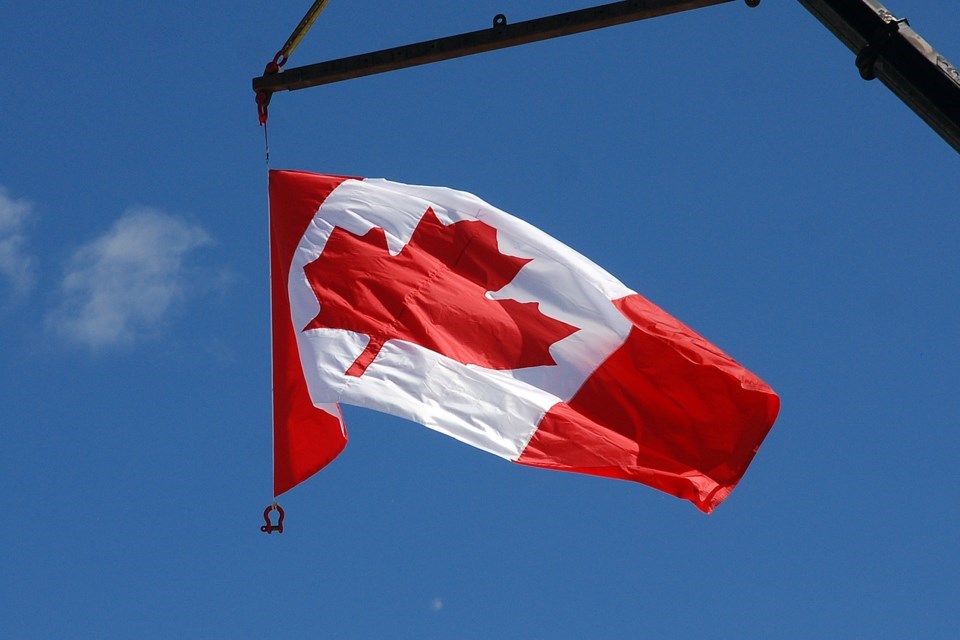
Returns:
(270, 527)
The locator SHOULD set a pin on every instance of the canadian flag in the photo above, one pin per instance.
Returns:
(430, 304)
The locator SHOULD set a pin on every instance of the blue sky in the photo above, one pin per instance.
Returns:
(729, 164)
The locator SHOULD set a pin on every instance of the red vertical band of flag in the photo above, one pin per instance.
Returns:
(305, 438)
(667, 409)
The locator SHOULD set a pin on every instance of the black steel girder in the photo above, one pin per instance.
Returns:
(888, 49)
(499, 36)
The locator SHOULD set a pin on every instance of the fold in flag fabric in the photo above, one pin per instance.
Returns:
(430, 304)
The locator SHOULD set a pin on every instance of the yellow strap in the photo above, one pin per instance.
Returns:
(302, 28)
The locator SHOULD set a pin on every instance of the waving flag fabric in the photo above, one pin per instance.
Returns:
(431, 304)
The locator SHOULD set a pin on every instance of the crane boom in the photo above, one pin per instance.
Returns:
(500, 36)
(886, 48)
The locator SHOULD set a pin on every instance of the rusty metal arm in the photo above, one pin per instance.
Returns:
(500, 36)
(888, 49)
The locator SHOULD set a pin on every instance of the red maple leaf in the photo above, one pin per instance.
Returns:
(433, 293)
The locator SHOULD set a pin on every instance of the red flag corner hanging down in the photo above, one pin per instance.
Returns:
(430, 304)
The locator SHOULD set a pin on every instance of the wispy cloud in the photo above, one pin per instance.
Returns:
(126, 281)
(16, 266)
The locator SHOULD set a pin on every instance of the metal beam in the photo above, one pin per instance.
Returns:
(888, 49)
(500, 36)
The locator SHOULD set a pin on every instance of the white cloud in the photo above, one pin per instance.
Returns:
(126, 281)
(16, 266)
(437, 604)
